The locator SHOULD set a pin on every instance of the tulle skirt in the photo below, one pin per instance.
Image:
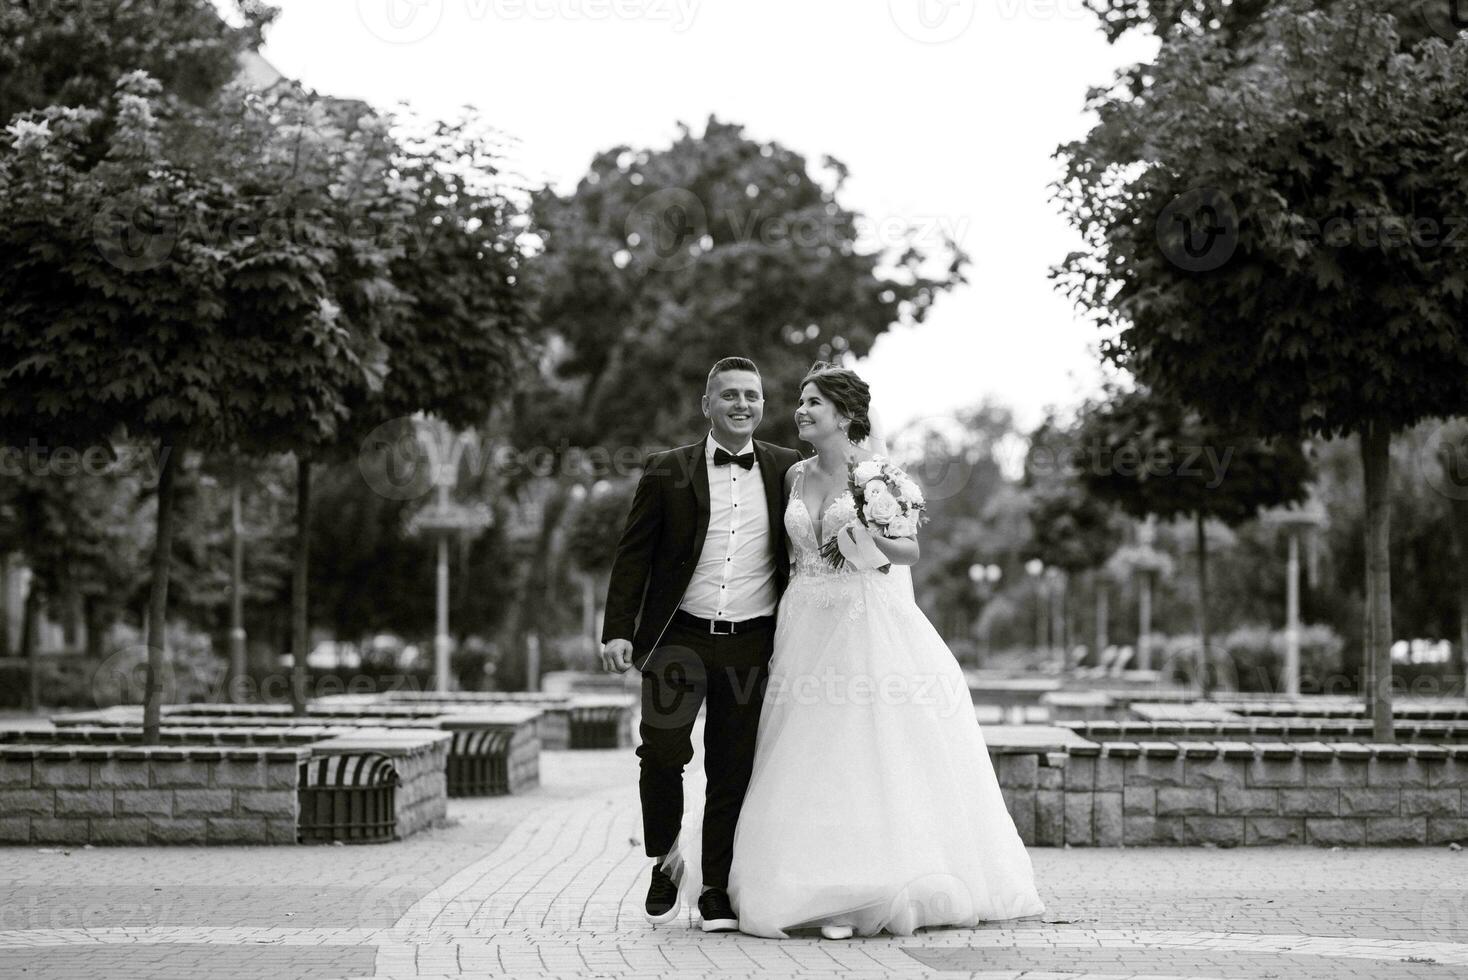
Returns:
(873, 803)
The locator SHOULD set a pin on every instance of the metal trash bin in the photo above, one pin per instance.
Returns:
(348, 798)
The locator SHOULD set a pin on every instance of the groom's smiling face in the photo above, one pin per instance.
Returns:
(734, 404)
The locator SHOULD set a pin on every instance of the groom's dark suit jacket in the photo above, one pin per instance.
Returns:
(659, 549)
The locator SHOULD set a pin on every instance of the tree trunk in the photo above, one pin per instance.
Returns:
(237, 668)
(532, 660)
(1205, 659)
(441, 616)
(1040, 597)
(1057, 620)
(1376, 466)
(1292, 616)
(300, 620)
(1103, 614)
(95, 628)
(1144, 623)
(588, 614)
(4, 605)
(156, 637)
(1458, 515)
(30, 624)
(71, 607)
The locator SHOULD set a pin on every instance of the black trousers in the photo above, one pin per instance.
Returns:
(688, 669)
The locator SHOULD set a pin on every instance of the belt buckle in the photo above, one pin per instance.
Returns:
(714, 627)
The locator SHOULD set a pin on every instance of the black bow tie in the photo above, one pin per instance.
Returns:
(722, 458)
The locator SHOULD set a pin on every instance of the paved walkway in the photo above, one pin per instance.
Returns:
(550, 885)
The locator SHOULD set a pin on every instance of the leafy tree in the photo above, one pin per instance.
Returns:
(662, 261)
(1272, 248)
(454, 348)
(73, 53)
(1239, 22)
(1150, 456)
(1451, 450)
(596, 525)
(1074, 529)
(126, 314)
(958, 461)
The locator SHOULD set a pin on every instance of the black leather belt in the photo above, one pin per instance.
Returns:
(722, 627)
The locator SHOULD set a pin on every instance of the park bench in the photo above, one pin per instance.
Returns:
(505, 760)
(597, 718)
(495, 748)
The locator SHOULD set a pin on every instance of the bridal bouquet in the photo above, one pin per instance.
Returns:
(888, 503)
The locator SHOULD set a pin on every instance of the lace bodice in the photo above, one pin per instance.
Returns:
(813, 579)
(805, 550)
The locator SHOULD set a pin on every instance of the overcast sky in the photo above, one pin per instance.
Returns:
(946, 111)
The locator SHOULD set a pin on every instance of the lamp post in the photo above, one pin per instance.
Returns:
(985, 579)
(1296, 521)
(1035, 568)
(1055, 590)
(1144, 563)
(445, 519)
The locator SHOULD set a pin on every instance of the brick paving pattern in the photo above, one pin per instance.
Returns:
(550, 884)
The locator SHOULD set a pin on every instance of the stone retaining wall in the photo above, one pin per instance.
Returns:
(52, 794)
(1237, 793)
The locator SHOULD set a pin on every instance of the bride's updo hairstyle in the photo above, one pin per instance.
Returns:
(844, 389)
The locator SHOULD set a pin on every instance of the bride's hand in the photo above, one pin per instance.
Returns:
(859, 548)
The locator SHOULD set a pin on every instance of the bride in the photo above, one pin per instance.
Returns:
(872, 804)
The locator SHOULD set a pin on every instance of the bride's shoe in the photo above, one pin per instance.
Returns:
(836, 932)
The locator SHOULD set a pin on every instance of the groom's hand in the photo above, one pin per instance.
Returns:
(616, 655)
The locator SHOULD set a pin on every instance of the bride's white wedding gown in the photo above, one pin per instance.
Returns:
(873, 803)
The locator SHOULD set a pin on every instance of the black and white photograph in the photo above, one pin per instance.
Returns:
(733, 490)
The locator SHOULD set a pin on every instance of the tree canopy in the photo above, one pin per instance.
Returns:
(662, 261)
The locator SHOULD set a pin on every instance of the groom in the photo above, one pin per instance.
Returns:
(691, 604)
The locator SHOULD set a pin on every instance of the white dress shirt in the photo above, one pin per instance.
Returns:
(735, 576)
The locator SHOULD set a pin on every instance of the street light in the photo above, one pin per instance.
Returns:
(1296, 521)
(1035, 569)
(442, 520)
(985, 579)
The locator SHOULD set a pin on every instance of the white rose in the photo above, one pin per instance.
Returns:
(910, 491)
(902, 526)
(874, 488)
(881, 508)
(867, 471)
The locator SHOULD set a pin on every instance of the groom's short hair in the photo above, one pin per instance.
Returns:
(731, 364)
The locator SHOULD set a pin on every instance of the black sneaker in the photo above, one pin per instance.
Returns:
(662, 897)
(718, 915)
